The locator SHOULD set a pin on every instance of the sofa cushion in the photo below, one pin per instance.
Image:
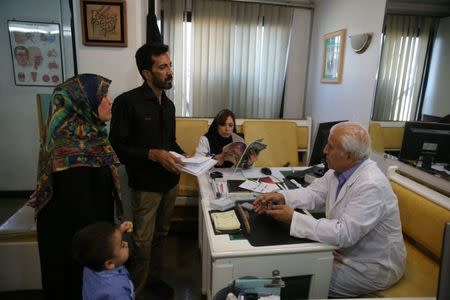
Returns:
(376, 137)
(302, 137)
(392, 137)
(422, 220)
(281, 140)
(420, 278)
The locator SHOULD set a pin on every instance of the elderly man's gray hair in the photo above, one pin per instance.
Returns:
(355, 139)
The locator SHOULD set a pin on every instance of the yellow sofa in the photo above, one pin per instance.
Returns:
(303, 130)
(281, 138)
(188, 133)
(422, 224)
(386, 136)
(297, 137)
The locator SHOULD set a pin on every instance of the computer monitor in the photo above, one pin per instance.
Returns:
(323, 131)
(426, 143)
(443, 291)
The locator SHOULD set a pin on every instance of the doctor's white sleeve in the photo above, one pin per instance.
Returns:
(354, 221)
(312, 197)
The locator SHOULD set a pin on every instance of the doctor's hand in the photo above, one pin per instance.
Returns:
(281, 213)
(264, 202)
(167, 160)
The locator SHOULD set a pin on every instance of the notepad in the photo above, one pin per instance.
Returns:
(226, 220)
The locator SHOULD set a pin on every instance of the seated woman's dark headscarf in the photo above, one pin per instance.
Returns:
(217, 142)
(74, 134)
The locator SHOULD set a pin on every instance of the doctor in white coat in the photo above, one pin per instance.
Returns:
(362, 216)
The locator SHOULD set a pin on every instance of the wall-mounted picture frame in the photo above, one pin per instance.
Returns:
(36, 53)
(333, 56)
(104, 23)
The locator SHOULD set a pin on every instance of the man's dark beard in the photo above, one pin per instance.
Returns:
(162, 84)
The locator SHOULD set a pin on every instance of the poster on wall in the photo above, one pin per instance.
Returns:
(36, 53)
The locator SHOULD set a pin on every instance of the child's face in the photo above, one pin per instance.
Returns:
(120, 249)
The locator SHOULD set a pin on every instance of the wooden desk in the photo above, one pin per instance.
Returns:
(224, 260)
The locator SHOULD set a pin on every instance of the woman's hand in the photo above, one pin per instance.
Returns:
(126, 226)
(32, 200)
(220, 159)
(265, 202)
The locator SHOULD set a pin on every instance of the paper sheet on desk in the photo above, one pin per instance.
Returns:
(440, 168)
(259, 187)
(256, 172)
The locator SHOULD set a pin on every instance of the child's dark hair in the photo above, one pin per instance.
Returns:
(93, 245)
(144, 56)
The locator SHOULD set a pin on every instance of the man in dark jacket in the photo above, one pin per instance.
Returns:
(143, 133)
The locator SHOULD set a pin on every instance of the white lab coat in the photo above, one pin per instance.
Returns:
(203, 148)
(363, 221)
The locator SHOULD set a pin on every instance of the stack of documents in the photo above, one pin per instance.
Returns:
(195, 165)
(225, 220)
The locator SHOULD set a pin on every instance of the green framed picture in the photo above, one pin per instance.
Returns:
(333, 56)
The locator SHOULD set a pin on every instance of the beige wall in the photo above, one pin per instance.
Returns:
(352, 99)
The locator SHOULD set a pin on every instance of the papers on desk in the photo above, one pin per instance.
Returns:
(259, 187)
(440, 168)
(195, 165)
(223, 199)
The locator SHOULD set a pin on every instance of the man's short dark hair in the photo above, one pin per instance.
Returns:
(144, 56)
(23, 48)
(93, 245)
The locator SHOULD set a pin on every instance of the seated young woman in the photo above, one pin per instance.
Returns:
(221, 132)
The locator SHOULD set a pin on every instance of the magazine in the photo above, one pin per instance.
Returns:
(239, 153)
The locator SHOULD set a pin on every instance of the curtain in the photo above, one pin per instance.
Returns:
(405, 44)
(173, 32)
(235, 56)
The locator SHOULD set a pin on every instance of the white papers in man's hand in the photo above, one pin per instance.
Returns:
(195, 165)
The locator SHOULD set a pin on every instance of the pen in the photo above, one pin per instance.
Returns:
(216, 192)
(281, 186)
(296, 183)
(307, 212)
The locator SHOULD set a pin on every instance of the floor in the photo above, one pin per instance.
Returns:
(182, 265)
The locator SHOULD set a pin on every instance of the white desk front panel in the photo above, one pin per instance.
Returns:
(224, 260)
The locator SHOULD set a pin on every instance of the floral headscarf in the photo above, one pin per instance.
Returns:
(74, 134)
